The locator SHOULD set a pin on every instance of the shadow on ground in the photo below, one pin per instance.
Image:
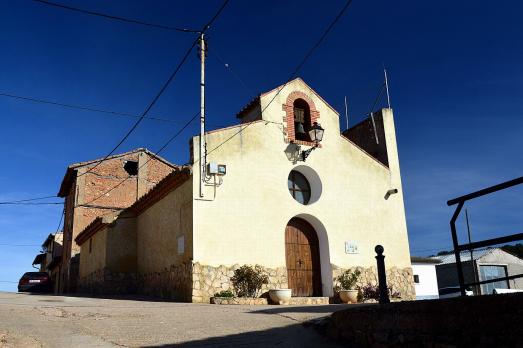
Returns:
(303, 309)
(289, 336)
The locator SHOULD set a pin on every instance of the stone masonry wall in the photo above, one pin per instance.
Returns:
(401, 280)
(104, 281)
(208, 280)
(173, 283)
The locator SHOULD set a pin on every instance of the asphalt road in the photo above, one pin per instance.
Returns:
(63, 321)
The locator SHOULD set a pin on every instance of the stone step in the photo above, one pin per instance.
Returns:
(309, 300)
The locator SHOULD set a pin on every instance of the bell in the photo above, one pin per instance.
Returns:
(299, 129)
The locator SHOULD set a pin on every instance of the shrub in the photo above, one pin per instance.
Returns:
(347, 280)
(248, 280)
(224, 293)
(372, 292)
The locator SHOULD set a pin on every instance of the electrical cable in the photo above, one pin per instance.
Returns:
(27, 200)
(107, 16)
(79, 107)
(164, 87)
(157, 152)
(292, 76)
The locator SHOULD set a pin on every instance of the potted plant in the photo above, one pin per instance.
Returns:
(280, 296)
(347, 286)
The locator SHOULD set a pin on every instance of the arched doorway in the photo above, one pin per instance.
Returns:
(302, 256)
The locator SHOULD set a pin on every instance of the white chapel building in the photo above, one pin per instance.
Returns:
(269, 195)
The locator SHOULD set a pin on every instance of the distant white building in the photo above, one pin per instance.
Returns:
(486, 264)
(425, 278)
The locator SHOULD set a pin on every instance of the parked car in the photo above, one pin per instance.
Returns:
(35, 282)
(453, 291)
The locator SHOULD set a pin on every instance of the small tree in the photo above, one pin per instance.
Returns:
(248, 280)
(348, 279)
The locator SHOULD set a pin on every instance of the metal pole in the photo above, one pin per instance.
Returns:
(346, 113)
(473, 264)
(382, 275)
(456, 248)
(203, 159)
(387, 87)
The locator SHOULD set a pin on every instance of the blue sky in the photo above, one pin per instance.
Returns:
(455, 73)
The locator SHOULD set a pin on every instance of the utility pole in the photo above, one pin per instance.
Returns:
(203, 143)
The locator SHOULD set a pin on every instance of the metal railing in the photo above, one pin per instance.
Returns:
(458, 248)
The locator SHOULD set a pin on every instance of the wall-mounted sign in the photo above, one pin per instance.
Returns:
(351, 247)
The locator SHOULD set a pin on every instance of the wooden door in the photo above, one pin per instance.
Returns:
(303, 258)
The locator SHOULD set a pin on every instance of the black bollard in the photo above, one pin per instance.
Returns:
(382, 276)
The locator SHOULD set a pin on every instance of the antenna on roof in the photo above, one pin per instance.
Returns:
(346, 113)
(386, 86)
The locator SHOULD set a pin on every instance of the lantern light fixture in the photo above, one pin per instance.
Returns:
(316, 135)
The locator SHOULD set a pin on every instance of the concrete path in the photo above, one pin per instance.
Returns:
(61, 321)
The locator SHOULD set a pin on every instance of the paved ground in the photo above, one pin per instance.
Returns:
(59, 321)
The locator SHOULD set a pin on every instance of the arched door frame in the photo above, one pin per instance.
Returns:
(325, 264)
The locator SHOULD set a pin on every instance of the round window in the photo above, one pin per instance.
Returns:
(299, 187)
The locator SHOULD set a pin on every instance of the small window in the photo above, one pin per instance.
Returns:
(416, 279)
(90, 245)
(131, 167)
(299, 187)
(181, 245)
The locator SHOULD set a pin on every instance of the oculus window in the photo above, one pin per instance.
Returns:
(299, 187)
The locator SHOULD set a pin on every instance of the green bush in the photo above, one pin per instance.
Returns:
(347, 280)
(248, 280)
(224, 293)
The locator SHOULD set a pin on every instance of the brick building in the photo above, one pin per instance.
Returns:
(93, 188)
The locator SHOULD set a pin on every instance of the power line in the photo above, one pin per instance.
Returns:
(292, 76)
(20, 245)
(149, 107)
(32, 203)
(27, 200)
(157, 152)
(79, 107)
(164, 87)
(118, 18)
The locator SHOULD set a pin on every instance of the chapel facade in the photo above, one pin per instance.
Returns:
(304, 218)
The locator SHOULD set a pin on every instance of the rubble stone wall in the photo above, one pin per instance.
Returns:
(401, 280)
(208, 280)
(173, 283)
(105, 282)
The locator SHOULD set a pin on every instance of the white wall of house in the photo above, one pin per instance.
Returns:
(427, 287)
(243, 221)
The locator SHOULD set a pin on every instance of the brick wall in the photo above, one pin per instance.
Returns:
(102, 191)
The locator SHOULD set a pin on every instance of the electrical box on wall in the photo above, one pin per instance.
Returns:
(216, 169)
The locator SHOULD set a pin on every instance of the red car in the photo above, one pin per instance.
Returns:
(35, 282)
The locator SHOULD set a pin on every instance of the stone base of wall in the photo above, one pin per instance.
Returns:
(173, 283)
(401, 280)
(209, 280)
(104, 281)
(295, 301)
(239, 301)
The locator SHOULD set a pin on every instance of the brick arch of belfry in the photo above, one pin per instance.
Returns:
(288, 120)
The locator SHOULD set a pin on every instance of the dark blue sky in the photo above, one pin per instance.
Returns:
(455, 72)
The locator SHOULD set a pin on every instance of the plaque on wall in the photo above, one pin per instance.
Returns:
(351, 247)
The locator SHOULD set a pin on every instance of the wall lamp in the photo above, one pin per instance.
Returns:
(390, 192)
(316, 135)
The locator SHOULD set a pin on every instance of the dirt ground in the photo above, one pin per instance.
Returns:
(28, 320)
